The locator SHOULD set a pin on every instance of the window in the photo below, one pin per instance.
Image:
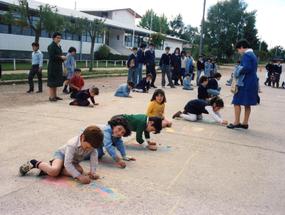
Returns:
(68, 36)
(16, 29)
(99, 38)
(26, 31)
(4, 28)
(45, 33)
(128, 39)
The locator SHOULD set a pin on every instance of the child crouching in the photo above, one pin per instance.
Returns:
(67, 158)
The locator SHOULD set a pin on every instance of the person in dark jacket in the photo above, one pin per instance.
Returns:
(150, 63)
(144, 85)
(200, 68)
(165, 65)
(55, 71)
(176, 66)
(277, 70)
(83, 96)
(132, 65)
(194, 109)
(269, 68)
(213, 88)
(202, 89)
(141, 62)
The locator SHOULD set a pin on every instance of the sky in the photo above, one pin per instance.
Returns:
(269, 19)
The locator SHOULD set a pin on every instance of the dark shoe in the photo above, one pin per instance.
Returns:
(232, 126)
(243, 126)
(153, 86)
(176, 115)
(58, 98)
(39, 91)
(172, 86)
(52, 99)
(30, 91)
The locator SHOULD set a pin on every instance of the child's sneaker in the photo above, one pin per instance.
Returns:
(25, 168)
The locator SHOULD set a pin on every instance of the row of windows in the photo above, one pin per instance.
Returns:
(15, 29)
(138, 40)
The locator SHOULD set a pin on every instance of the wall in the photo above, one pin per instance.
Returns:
(123, 16)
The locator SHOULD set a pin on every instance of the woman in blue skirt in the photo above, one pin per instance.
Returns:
(247, 89)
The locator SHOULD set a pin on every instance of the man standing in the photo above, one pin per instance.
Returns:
(150, 63)
(37, 65)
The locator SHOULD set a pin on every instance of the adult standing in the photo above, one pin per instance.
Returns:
(200, 68)
(176, 65)
(55, 67)
(37, 65)
(150, 63)
(247, 92)
(141, 62)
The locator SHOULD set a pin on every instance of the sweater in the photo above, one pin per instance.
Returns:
(138, 124)
(155, 109)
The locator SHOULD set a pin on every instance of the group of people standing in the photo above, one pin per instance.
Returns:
(273, 74)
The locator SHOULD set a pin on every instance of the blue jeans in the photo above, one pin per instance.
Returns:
(139, 72)
(198, 76)
(132, 75)
(213, 92)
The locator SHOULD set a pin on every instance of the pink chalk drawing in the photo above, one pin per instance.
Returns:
(66, 182)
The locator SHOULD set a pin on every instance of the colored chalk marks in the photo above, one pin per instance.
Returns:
(66, 182)
(169, 130)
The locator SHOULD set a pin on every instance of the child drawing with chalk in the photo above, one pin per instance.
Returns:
(67, 158)
(113, 133)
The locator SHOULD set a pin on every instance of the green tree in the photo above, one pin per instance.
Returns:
(93, 29)
(44, 18)
(177, 26)
(152, 21)
(225, 26)
(157, 39)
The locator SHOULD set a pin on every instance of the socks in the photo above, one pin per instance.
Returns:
(34, 163)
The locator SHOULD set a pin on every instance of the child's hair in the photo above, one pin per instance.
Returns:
(77, 70)
(36, 44)
(242, 44)
(217, 75)
(134, 49)
(143, 45)
(177, 49)
(94, 90)
(71, 49)
(158, 92)
(218, 101)
(151, 44)
(149, 76)
(119, 120)
(131, 84)
(167, 48)
(157, 123)
(55, 34)
(94, 136)
(183, 53)
(187, 74)
(203, 79)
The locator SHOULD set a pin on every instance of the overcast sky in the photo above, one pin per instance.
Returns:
(270, 13)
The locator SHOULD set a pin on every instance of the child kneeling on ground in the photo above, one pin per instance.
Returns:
(67, 158)
(124, 89)
(76, 83)
(140, 124)
(83, 96)
(195, 108)
(156, 107)
(144, 85)
(113, 133)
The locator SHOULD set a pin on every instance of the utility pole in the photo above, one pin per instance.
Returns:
(202, 30)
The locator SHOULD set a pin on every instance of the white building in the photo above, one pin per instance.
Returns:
(122, 33)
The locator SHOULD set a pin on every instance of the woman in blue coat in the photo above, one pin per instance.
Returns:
(247, 94)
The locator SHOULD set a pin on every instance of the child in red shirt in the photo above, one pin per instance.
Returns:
(76, 83)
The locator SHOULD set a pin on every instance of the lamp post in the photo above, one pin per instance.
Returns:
(202, 30)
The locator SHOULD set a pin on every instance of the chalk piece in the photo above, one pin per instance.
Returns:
(170, 130)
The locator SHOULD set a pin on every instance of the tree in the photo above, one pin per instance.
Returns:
(152, 21)
(93, 29)
(44, 18)
(225, 26)
(177, 26)
(157, 39)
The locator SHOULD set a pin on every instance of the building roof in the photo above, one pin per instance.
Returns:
(108, 22)
(130, 10)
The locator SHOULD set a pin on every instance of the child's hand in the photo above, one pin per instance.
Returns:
(121, 164)
(93, 176)
(129, 158)
(224, 122)
(84, 179)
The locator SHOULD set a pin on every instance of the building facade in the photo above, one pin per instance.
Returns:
(121, 34)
